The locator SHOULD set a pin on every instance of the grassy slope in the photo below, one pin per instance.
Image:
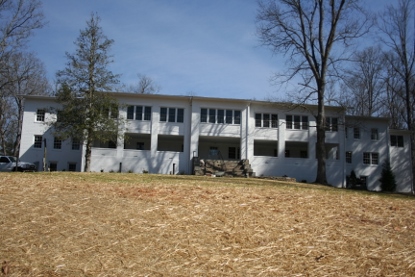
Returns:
(78, 224)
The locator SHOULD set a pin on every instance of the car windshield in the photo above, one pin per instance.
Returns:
(13, 159)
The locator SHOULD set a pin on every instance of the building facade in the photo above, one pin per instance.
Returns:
(164, 134)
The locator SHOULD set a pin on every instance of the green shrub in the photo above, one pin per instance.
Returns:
(387, 179)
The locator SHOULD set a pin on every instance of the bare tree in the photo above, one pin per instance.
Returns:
(397, 27)
(365, 83)
(26, 76)
(313, 35)
(145, 85)
(18, 20)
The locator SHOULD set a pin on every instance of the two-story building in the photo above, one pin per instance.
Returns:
(164, 134)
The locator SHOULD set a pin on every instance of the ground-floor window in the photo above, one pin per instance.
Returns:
(71, 166)
(53, 166)
(234, 153)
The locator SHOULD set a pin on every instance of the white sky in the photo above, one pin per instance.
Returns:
(202, 47)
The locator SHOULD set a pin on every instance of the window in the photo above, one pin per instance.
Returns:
(258, 120)
(237, 117)
(171, 115)
(370, 158)
(296, 122)
(71, 166)
(57, 143)
(374, 135)
(130, 112)
(38, 142)
(356, 132)
(234, 153)
(203, 115)
(53, 166)
(331, 124)
(349, 155)
(141, 112)
(266, 120)
(220, 116)
(40, 115)
(212, 116)
(75, 144)
(396, 141)
(180, 115)
(274, 121)
(229, 116)
(163, 114)
(147, 113)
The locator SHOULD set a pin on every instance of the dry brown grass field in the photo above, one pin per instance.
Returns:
(110, 224)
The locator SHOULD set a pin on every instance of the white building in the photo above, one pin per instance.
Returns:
(165, 133)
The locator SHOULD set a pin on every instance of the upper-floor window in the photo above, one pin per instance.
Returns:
(374, 134)
(266, 120)
(38, 142)
(75, 144)
(349, 156)
(171, 114)
(356, 132)
(139, 112)
(220, 116)
(396, 141)
(370, 158)
(57, 143)
(40, 115)
(332, 124)
(296, 122)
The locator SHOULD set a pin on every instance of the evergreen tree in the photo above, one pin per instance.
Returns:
(387, 179)
(88, 113)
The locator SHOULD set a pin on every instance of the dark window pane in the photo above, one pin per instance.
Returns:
(289, 121)
(274, 121)
(258, 120)
(212, 116)
(180, 115)
(172, 115)
(237, 119)
(147, 113)
(139, 113)
(229, 114)
(163, 114)
(221, 116)
(130, 112)
(265, 122)
(203, 115)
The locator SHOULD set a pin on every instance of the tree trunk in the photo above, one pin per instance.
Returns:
(16, 146)
(88, 150)
(321, 138)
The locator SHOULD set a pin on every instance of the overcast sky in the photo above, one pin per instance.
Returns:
(199, 47)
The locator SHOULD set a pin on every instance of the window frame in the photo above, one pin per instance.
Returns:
(40, 115)
(57, 143)
(38, 141)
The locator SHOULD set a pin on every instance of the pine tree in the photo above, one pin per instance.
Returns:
(88, 113)
(387, 179)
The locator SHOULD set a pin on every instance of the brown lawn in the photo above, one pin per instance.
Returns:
(109, 224)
